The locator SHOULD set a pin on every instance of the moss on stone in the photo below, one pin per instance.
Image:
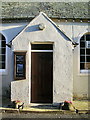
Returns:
(52, 9)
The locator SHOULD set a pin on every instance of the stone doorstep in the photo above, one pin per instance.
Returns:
(9, 110)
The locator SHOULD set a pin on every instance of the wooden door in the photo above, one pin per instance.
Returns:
(42, 77)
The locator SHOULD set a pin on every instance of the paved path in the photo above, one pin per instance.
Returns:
(38, 116)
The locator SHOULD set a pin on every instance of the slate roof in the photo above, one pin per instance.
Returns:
(72, 10)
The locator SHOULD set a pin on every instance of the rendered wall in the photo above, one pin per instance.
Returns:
(74, 30)
(80, 80)
(62, 58)
(6, 76)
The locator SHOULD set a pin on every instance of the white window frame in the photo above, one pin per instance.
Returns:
(84, 71)
(4, 71)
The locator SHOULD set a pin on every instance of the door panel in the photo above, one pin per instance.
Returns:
(42, 77)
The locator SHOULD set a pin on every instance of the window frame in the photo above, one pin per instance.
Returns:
(84, 54)
(15, 64)
(3, 70)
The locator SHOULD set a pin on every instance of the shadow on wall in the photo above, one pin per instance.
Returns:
(6, 96)
(75, 39)
(36, 28)
(12, 32)
(32, 28)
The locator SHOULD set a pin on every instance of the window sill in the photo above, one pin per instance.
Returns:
(84, 73)
(3, 72)
(20, 78)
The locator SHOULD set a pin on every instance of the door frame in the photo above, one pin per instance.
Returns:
(30, 51)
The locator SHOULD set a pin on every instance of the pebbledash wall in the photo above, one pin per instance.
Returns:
(62, 56)
(6, 75)
(62, 71)
(78, 81)
(72, 18)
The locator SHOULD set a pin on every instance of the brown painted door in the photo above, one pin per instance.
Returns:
(42, 77)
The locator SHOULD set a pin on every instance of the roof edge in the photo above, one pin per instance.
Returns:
(42, 13)
(57, 27)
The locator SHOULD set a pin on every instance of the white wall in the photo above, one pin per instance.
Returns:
(62, 56)
(80, 80)
(9, 30)
(73, 30)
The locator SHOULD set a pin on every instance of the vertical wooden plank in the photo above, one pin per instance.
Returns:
(42, 77)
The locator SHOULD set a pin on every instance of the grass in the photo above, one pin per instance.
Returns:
(79, 104)
(82, 104)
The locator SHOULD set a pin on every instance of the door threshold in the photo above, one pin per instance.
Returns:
(42, 104)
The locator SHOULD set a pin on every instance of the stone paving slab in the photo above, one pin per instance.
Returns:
(82, 106)
(35, 110)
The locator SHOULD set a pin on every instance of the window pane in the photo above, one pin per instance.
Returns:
(82, 51)
(3, 44)
(87, 66)
(20, 70)
(0, 43)
(82, 65)
(20, 65)
(82, 58)
(2, 65)
(20, 58)
(82, 44)
(82, 39)
(88, 51)
(2, 57)
(87, 37)
(3, 51)
(42, 47)
(2, 37)
(87, 58)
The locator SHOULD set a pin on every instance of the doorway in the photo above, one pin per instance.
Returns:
(42, 73)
